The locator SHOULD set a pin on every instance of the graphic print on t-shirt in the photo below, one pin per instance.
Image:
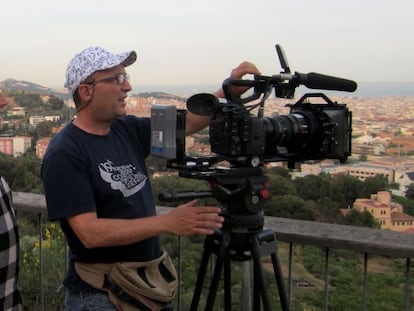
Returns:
(124, 178)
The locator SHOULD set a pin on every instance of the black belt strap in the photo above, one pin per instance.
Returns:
(120, 293)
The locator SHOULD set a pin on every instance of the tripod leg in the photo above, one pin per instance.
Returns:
(265, 244)
(260, 290)
(222, 257)
(201, 273)
(227, 284)
(279, 280)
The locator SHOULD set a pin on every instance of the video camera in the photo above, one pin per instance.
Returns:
(311, 131)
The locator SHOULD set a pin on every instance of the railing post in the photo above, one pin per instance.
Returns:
(365, 286)
(326, 299)
(179, 274)
(289, 290)
(41, 263)
(407, 302)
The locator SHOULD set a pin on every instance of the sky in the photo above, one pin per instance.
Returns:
(199, 42)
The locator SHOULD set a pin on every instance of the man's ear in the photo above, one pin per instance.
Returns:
(85, 92)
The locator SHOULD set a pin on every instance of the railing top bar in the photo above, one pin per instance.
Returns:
(358, 239)
(35, 203)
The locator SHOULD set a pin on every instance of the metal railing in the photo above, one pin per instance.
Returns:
(360, 240)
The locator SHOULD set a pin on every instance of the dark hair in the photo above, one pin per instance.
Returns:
(76, 98)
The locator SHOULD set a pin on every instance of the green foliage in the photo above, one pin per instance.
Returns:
(407, 203)
(312, 187)
(34, 105)
(289, 206)
(385, 290)
(346, 189)
(279, 185)
(374, 184)
(361, 219)
(44, 129)
(23, 172)
(47, 273)
(409, 193)
(55, 103)
(24, 99)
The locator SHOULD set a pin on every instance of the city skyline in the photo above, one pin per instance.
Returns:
(190, 42)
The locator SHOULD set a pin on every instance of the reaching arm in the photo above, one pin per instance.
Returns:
(186, 219)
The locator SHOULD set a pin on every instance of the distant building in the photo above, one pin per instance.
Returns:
(15, 146)
(373, 149)
(359, 171)
(388, 214)
(41, 146)
(35, 120)
(17, 112)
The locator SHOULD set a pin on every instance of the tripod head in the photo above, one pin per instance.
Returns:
(241, 191)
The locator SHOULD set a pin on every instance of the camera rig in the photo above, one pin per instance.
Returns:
(311, 131)
(246, 142)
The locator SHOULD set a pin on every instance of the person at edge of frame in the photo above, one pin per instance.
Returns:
(95, 180)
(10, 297)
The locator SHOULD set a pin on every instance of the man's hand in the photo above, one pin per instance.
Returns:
(189, 219)
(237, 73)
(195, 123)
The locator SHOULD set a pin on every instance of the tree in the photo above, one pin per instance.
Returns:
(279, 185)
(28, 99)
(23, 172)
(328, 210)
(312, 187)
(374, 184)
(44, 129)
(289, 206)
(407, 203)
(361, 219)
(346, 189)
(55, 103)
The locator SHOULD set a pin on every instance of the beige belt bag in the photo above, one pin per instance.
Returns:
(145, 286)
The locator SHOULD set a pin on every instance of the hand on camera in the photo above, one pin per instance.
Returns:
(237, 73)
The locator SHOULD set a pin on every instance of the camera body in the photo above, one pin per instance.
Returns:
(310, 131)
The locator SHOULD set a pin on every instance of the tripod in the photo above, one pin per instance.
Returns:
(242, 192)
(239, 246)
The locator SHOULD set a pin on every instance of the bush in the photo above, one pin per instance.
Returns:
(52, 250)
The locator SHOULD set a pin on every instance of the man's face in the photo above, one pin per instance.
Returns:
(109, 93)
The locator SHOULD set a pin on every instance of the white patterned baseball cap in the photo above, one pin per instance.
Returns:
(93, 59)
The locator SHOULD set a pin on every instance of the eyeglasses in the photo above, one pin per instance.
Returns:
(120, 78)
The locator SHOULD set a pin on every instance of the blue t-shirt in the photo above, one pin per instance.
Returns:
(82, 172)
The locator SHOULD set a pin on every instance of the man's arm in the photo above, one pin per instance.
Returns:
(186, 219)
(195, 123)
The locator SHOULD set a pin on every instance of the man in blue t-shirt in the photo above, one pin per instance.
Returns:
(96, 182)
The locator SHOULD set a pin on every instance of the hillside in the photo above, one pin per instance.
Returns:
(29, 87)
